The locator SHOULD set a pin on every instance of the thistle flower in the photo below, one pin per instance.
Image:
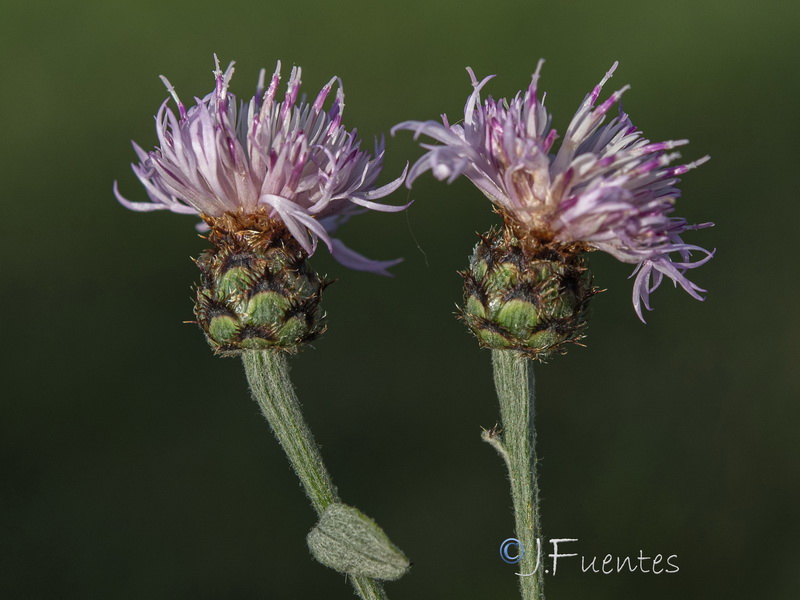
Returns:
(269, 179)
(605, 188)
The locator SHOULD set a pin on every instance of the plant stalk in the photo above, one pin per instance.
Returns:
(268, 376)
(514, 381)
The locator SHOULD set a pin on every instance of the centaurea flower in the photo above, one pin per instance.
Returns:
(269, 178)
(606, 187)
(527, 289)
(286, 160)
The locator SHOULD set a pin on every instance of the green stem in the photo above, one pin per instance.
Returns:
(268, 376)
(514, 381)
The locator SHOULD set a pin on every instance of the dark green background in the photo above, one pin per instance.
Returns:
(134, 464)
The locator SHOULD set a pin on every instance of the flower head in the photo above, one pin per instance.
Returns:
(288, 161)
(605, 187)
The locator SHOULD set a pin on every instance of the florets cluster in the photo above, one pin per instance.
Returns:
(605, 186)
(290, 161)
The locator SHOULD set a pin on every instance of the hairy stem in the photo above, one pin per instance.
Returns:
(268, 376)
(514, 381)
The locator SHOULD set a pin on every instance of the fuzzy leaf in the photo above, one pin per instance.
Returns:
(346, 540)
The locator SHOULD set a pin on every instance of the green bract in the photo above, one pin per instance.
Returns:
(257, 291)
(530, 299)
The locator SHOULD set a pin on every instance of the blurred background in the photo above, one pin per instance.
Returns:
(133, 463)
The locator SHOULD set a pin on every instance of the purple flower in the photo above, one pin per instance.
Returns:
(605, 185)
(290, 160)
